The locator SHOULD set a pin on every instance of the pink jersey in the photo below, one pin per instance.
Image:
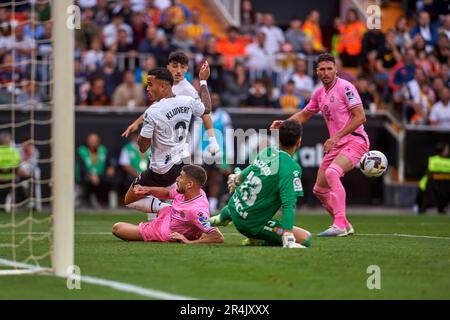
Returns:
(336, 105)
(189, 218)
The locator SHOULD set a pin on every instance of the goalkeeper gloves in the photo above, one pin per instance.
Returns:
(234, 180)
(288, 240)
(213, 147)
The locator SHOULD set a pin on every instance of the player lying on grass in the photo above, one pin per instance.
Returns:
(341, 107)
(271, 182)
(185, 220)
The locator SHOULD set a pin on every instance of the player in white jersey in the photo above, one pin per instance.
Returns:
(166, 123)
(178, 64)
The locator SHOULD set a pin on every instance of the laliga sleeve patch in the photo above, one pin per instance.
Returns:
(297, 184)
(350, 95)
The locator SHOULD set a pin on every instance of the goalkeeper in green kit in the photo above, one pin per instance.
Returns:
(271, 182)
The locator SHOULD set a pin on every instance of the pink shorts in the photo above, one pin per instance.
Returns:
(354, 149)
(159, 229)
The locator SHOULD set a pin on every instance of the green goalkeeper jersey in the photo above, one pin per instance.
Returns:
(270, 182)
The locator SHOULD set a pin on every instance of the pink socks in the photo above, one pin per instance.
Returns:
(333, 175)
(324, 194)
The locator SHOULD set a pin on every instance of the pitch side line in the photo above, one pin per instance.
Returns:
(119, 286)
(238, 234)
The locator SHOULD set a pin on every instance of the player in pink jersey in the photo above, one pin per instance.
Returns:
(185, 220)
(342, 109)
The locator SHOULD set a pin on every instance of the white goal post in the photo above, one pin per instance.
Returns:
(63, 139)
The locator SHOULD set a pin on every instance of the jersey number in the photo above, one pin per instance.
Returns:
(250, 189)
(180, 131)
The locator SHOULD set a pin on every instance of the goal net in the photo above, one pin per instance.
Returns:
(36, 137)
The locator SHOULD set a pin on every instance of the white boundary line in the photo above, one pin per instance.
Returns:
(238, 234)
(119, 286)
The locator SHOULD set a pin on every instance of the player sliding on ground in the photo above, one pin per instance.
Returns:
(271, 182)
(185, 220)
(342, 109)
(165, 127)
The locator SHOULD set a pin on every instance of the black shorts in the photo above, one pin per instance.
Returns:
(148, 178)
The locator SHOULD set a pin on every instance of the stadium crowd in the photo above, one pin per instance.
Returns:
(405, 69)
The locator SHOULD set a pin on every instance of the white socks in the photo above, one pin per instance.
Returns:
(149, 205)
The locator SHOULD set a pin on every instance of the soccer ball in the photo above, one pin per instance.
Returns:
(373, 164)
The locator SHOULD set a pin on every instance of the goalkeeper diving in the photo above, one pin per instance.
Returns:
(270, 182)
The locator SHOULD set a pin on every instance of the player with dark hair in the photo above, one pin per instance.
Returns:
(340, 105)
(185, 220)
(178, 65)
(271, 182)
(165, 127)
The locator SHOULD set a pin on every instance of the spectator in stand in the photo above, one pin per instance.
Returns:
(349, 44)
(236, 86)
(43, 11)
(426, 30)
(81, 83)
(96, 96)
(231, 47)
(386, 59)
(122, 45)
(342, 72)
(88, 31)
(141, 72)
(304, 84)
(402, 36)
(168, 24)
(274, 35)
(111, 31)
(258, 95)
(123, 7)
(94, 171)
(311, 28)
(10, 72)
(259, 60)
(289, 100)
(93, 58)
(403, 71)
(132, 162)
(442, 50)
(365, 93)
(128, 94)
(109, 72)
(34, 29)
(247, 18)
(295, 35)
(139, 28)
(181, 41)
(373, 40)
(194, 28)
(445, 29)
(102, 13)
(419, 98)
(178, 11)
(440, 112)
(28, 95)
(24, 47)
(155, 43)
(152, 14)
(216, 63)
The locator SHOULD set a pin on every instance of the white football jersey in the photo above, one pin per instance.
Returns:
(185, 88)
(166, 122)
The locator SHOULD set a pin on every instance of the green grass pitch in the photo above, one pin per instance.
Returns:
(333, 268)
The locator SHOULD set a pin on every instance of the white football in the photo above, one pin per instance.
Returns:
(373, 164)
